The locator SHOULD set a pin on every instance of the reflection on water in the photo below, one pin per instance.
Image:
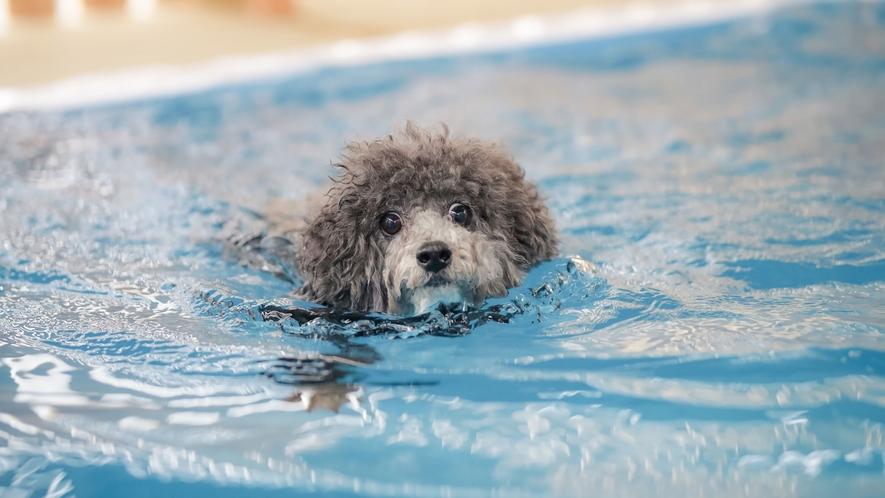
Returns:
(716, 331)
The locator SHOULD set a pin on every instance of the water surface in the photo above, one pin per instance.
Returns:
(714, 327)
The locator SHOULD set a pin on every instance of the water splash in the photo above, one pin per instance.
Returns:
(563, 280)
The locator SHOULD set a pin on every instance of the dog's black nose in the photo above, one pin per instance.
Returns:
(434, 256)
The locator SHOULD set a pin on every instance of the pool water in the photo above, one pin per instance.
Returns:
(714, 327)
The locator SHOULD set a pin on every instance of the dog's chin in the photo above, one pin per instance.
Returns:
(434, 292)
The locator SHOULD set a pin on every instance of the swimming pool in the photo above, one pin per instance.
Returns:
(714, 327)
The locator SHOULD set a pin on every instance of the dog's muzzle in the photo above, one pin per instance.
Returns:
(434, 256)
(434, 261)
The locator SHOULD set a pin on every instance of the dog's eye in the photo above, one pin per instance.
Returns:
(460, 213)
(391, 223)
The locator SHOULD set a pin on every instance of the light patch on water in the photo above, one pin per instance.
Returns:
(193, 418)
(49, 388)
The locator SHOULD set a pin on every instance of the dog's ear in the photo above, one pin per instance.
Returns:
(339, 260)
(533, 228)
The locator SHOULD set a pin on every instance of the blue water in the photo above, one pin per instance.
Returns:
(714, 327)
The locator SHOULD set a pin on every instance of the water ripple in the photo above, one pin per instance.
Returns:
(718, 328)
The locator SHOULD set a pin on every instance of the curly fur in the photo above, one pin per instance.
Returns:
(348, 262)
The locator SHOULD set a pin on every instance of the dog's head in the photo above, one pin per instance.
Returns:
(420, 218)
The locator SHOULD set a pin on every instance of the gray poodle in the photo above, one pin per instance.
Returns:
(419, 219)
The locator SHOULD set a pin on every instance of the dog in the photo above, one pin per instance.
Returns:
(419, 218)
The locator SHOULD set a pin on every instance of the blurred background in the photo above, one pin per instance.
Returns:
(46, 40)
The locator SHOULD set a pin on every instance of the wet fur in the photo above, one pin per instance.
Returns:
(348, 262)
